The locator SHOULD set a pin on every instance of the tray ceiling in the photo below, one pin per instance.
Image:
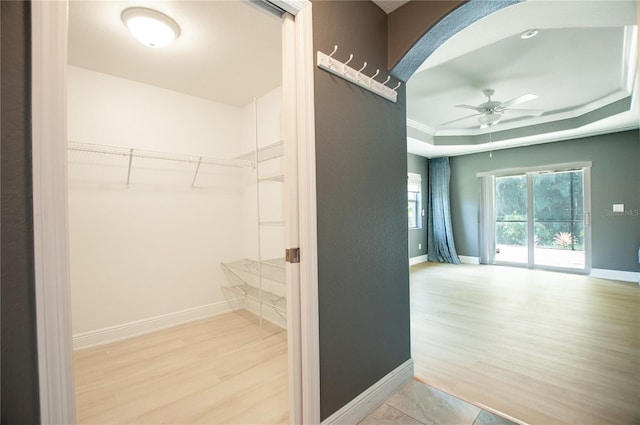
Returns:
(582, 65)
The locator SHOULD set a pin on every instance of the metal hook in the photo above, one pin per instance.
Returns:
(386, 81)
(376, 74)
(361, 76)
(350, 58)
(331, 63)
(346, 70)
(396, 87)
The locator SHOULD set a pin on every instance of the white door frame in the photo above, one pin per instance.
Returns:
(49, 31)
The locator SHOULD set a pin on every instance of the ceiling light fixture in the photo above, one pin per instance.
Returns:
(529, 33)
(150, 27)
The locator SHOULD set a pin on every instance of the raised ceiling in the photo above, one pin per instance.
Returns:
(582, 65)
(228, 51)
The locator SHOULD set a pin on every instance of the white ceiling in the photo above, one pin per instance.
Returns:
(584, 59)
(582, 66)
(228, 51)
(389, 5)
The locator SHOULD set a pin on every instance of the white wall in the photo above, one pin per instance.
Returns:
(153, 248)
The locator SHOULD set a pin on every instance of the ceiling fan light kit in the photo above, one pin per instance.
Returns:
(487, 120)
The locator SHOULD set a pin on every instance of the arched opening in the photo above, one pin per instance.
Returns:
(526, 361)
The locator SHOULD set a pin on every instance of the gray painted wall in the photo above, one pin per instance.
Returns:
(615, 178)
(418, 164)
(20, 400)
(363, 265)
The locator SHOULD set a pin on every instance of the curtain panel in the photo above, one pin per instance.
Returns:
(440, 245)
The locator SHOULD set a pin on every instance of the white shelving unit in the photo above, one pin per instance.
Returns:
(131, 155)
(262, 283)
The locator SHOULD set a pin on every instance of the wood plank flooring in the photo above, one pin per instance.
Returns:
(540, 347)
(213, 371)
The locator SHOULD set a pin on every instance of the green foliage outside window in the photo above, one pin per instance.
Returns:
(557, 210)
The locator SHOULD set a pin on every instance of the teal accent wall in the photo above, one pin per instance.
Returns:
(615, 179)
(20, 387)
(361, 160)
(419, 165)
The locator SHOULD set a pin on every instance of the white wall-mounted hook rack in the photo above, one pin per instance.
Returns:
(355, 76)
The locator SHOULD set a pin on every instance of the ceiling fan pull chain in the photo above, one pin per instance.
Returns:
(490, 149)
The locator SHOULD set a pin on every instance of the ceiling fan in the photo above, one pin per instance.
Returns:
(490, 112)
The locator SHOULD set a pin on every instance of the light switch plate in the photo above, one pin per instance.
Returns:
(618, 207)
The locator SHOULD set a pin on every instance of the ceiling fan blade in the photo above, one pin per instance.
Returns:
(460, 119)
(519, 99)
(475, 108)
(525, 112)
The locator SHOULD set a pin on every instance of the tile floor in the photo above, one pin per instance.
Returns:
(418, 404)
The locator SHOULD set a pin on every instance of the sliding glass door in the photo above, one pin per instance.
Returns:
(541, 219)
(511, 219)
(558, 219)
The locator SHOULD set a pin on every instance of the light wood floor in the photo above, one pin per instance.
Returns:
(541, 347)
(213, 371)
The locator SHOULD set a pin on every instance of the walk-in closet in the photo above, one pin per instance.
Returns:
(176, 216)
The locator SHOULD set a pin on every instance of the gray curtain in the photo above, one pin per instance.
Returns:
(440, 247)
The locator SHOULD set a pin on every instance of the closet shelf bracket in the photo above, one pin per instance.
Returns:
(193, 182)
(129, 170)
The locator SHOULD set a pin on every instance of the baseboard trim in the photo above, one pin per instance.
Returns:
(358, 408)
(110, 334)
(615, 275)
(417, 260)
(469, 260)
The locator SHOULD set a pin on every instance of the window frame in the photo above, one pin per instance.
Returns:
(414, 198)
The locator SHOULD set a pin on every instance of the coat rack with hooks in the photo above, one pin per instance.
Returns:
(356, 76)
(131, 153)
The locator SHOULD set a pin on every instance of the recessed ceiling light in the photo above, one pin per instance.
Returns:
(529, 33)
(150, 27)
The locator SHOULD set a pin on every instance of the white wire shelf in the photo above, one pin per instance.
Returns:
(246, 277)
(273, 269)
(265, 153)
(274, 178)
(148, 154)
(268, 299)
(130, 153)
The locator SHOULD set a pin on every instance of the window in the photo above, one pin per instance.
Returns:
(414, 190)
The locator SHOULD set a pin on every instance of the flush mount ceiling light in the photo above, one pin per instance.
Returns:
(529, 33)
(150, 27)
